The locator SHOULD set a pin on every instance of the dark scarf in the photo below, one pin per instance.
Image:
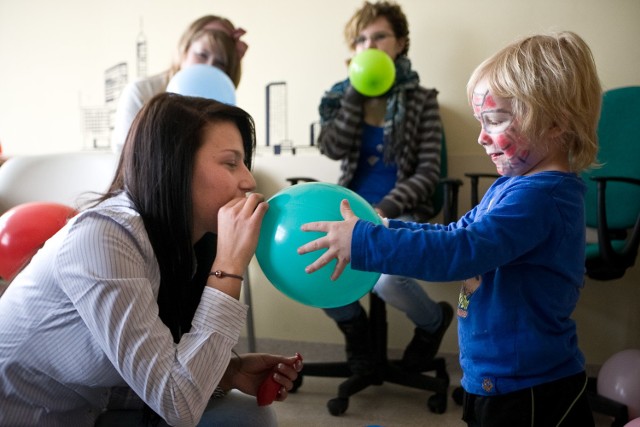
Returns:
(406, 80)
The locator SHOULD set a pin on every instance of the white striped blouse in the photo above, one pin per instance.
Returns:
(82, 318)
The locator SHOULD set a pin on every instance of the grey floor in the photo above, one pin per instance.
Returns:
(388, 405)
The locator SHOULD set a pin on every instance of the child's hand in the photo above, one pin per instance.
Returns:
(337, 241)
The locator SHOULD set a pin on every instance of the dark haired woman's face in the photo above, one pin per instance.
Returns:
(219, 176)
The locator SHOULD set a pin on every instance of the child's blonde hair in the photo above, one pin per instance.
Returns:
(551, 80)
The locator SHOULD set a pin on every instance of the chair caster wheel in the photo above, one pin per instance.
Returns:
(458, 395)
(338, 406)
(437, 403)
(297, 383)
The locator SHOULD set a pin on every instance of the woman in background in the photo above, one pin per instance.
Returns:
(390, 151)
(211, 40)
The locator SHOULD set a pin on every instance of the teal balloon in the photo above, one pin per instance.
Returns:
(280, 238)
(204, 81)
(372, 72)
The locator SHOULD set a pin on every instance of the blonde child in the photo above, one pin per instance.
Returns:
(520, 252)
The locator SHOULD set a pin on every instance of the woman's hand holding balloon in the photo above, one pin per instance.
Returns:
(337, 241)
(238, 231)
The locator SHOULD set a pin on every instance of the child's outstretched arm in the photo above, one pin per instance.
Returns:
(337, 241)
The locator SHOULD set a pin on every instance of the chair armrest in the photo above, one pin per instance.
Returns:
(626, 179)
(475, 181)
(626, 257)
(450, 189)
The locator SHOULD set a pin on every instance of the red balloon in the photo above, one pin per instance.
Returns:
(24, 229)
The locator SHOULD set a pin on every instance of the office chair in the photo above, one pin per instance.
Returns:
(445, 201)
(613, 190)
(612, 207)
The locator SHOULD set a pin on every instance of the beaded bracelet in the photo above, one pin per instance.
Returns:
(221, 274)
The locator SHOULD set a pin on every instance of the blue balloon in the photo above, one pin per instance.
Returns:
(204, 81)
(280, 238)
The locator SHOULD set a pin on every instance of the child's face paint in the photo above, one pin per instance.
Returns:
(500, 134)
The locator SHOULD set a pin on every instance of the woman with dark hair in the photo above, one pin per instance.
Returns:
(141, 289)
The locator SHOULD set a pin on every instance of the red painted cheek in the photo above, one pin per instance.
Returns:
(506, 145)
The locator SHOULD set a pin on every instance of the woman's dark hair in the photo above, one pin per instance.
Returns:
(156, 171)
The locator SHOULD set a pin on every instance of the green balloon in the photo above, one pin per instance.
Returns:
(372, 72)
(280, 238)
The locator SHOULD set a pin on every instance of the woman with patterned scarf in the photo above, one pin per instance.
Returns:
(390, 152)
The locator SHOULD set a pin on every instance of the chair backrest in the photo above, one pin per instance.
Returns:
(619, 154)
(438, 197)
(61, 177)
(445, 198)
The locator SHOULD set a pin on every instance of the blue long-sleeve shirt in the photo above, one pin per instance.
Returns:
(520, 255)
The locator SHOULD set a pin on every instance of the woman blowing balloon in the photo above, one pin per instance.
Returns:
(210, 40)
(141, 289)
(389, 148)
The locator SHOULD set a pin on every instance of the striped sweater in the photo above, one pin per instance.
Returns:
(416, 144)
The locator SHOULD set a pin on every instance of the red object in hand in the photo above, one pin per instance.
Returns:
(269, 388)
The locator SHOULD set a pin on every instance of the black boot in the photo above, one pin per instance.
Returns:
(424, 345)
(356, 333)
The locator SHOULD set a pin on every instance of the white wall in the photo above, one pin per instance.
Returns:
(53, 56)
